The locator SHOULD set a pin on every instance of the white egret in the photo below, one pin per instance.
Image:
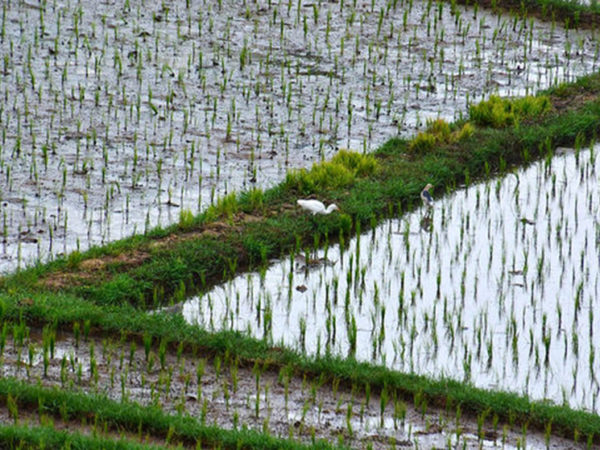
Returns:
(317, 207)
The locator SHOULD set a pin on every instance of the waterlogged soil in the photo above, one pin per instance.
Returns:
(230, 394)
(116, 117)
(497, 285)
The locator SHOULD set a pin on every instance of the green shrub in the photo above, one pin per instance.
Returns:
(465, 132)
(360, 164)
(423, 143)
(341, 171)
(498, 112)
(331, 175)
(531, 106)
(226, 206)
(440, 129)
(492, 112)
(186, 219)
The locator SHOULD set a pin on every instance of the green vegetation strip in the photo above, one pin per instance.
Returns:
(131, 417)
(64, 311)
(245, 230)
(572, 14)
(19, 436)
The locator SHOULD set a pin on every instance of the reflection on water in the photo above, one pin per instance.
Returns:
(501, 288)
(116, 118)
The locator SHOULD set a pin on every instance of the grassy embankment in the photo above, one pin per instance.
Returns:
(98, 288)
(244, 231)
(497, 408)
(105, 417)
(17, 436)
(570, 14)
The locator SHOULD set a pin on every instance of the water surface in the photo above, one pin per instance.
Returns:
(498, 286)
(115, 116)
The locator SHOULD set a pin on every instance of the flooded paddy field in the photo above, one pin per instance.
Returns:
(229, 394)
(117, 115)
(497, 285)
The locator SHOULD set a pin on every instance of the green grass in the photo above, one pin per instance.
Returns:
(102, 413)
(344, 169)
(498, 112)
(244, 230)
(45, 437)
(124, 321)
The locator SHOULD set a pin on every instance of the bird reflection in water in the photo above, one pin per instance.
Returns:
(426, 221)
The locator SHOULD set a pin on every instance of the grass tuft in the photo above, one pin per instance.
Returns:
(343, 170)
(438, 133)
(499, 112)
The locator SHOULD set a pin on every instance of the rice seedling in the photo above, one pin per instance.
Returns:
(219, 125)
(154, 82)
(437, 296)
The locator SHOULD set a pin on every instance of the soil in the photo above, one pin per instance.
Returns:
(110, 174)
(98, 269)
(226, 395)
(116, 119)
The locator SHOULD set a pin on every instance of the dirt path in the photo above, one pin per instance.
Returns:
(228, 394)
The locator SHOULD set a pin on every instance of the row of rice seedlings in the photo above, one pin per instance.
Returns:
(174, 108)
(56, 409)
(161, 374)
(501, 291)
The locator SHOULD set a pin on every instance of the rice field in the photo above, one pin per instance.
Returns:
(118, 116)
(123, 115)
(224, 392)
(498, 286)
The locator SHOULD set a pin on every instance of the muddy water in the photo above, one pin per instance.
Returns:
(115, 116)
(498, 285)
(224, 393)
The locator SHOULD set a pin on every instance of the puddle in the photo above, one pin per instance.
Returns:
(114, 119)
(502, 289)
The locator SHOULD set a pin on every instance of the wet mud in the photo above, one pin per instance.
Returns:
(115, 117)
(229, 394)
(474, 288)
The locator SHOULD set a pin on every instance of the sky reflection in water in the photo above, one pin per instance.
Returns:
(502, 291)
